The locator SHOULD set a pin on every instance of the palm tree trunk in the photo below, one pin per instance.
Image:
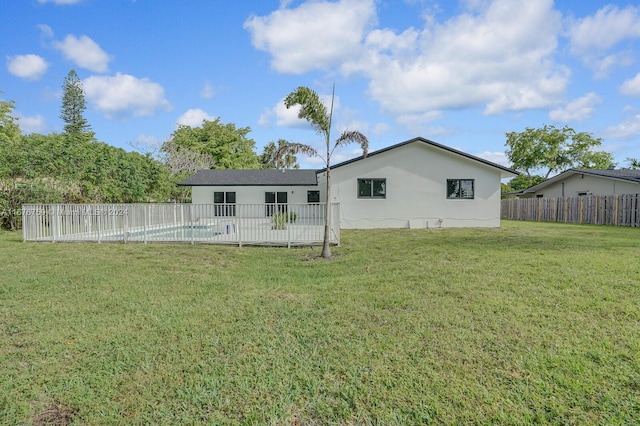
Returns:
(326, 242)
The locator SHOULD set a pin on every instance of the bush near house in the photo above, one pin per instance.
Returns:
(280, 220)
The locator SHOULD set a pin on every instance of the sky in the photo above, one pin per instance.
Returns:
(460, 73)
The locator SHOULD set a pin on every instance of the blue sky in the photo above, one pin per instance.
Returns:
(459, 73)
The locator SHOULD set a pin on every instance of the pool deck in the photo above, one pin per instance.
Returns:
(233, 232)
(237, 224)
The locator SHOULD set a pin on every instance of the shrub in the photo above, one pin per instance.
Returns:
(280, 220)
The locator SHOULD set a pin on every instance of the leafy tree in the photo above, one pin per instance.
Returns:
(57, 168)
(73, 107)
(634, 163)
(12, 165)
(172, 164)
(182, 161)
(19, 179)
(554, 150)
(9, 129)
(315, 112)
(523, 182)
(504, 189)
(227, 146)
(268, 161)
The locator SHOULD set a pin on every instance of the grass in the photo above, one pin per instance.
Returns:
(529, 323)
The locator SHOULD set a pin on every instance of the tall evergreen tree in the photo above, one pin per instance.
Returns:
(73, 107)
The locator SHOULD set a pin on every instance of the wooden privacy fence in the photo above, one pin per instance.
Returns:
(255, 224)
(617, 210)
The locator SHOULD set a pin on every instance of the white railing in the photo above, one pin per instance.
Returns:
(253, 224)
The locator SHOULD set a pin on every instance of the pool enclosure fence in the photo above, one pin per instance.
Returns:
(238, 224)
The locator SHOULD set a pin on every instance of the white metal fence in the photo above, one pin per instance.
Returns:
(254, 224)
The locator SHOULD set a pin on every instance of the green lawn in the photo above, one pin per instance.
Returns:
(529, 323)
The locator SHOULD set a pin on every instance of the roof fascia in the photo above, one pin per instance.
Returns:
(505, 171)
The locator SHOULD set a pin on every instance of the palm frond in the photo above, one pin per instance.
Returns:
(292, 148)
(311, 108)
(353, 136)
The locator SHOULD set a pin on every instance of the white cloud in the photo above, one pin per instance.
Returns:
(45, 30)
(605, 29)
(352, 125)
(579, 109)
(602, 66)
(497, 55)
(122, 95)
(194, 117)
(629, 128)
(419, 119)
(59, 2)
(495, 157)
(84, 52)
(34, 124)
(30, 67)
(317, 34)
(592, 37)
(207, 91)
(631, 87)
(381, 128)
(288, 117)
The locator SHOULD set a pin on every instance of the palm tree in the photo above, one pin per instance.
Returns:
(289, 161)
(634, 163)
(315, 112)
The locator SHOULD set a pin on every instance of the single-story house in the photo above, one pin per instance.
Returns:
(579, 182)
(417, 183)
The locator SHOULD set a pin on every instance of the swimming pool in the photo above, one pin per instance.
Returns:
(174, 233)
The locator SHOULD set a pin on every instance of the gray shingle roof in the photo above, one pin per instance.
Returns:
(624, 174)
(270, 177)
(307, 177)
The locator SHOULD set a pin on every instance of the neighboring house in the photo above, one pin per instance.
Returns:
(578, 182)
(416, 183)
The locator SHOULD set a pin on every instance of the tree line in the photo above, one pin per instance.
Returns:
(540, 153)
(74, 167)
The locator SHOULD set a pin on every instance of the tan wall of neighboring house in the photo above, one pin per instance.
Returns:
(577, 184)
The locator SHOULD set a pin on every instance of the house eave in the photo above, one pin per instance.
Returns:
(247, 184)
(567, 173)
(505, 172)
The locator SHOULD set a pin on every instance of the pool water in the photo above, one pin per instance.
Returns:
(174, 233)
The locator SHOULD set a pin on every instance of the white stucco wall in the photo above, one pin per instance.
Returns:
(595, 185)
(296, 195)
(416, 175)
(253, 194)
